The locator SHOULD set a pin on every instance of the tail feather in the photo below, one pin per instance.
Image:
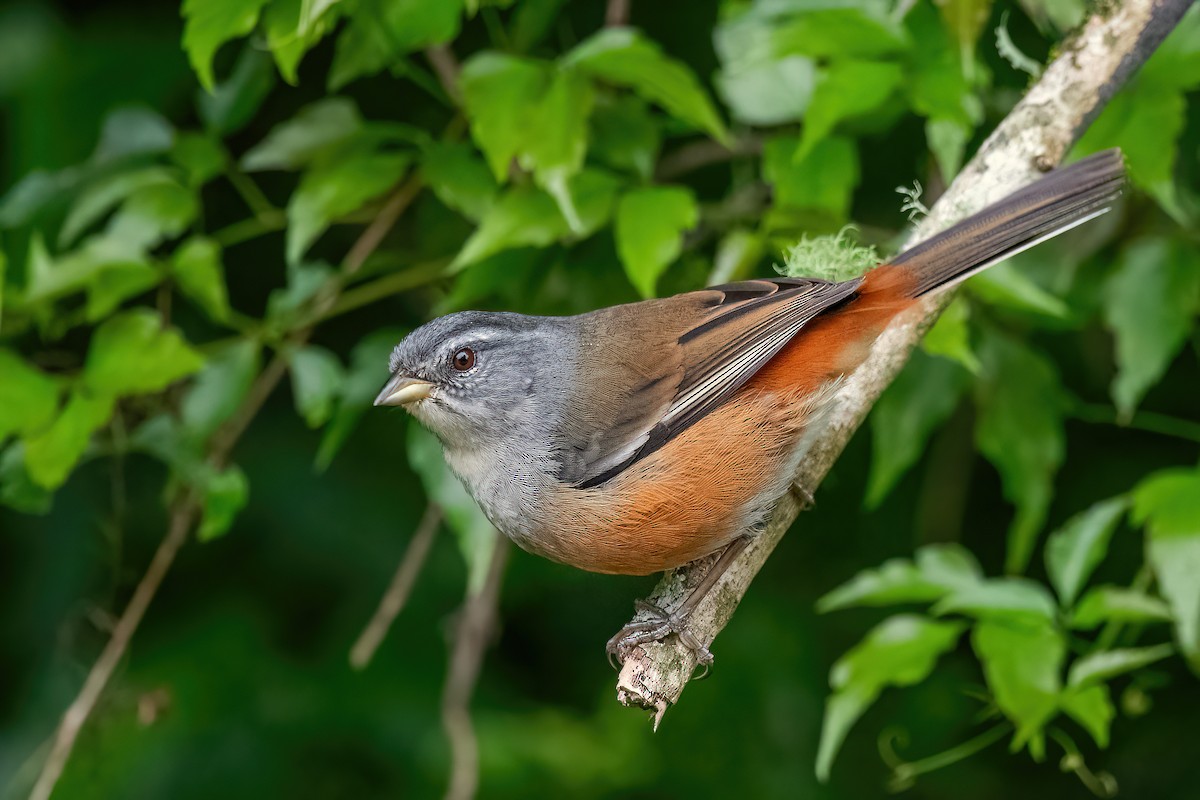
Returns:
(1065, 198)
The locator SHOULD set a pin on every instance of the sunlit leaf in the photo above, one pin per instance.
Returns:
(1115, 604)
(362, 382)
(1022, 661)
(845, 90)
(1168, 504)
(1092, 708)
(624, 135)
(231, 104)
(459, 178)
(949, 565)
(153, 214)
(920, 399)
(1005, 285)
(1077, 548)
(1020, 430)
(225, 495)
(624, 57)
(28, 397)
(200, 155)
(824, 179)
(499, 93)
(1000, 598)
(338, 184)
(219, 388)
(381, 32)
(103, 195)
(1108, 664)
(294, 26)
(209, 24)
(950, 336)
(317, 377)
(1149, 304)
(196, 267)
(51, 454)
(522, 216)
(649, 230)
(900, 651)
(314, 130)
(133, 353)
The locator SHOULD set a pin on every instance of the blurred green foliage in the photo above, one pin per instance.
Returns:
(194, 200)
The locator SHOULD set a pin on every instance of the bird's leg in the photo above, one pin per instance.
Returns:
(663, 623)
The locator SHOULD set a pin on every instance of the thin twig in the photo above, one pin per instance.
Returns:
(445, 66)
(706, 152)
(81, 708)
(393, 600)
(617, 13)
(473, 633)
(370, 239)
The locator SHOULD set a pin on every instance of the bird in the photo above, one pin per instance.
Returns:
(637, 438)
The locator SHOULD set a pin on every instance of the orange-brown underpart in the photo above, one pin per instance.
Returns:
(701, 490)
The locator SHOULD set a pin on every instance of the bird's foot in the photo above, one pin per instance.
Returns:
(659, 626)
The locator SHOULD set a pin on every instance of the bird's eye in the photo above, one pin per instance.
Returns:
(464, 359)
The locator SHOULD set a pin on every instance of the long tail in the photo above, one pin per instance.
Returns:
(1058, 202)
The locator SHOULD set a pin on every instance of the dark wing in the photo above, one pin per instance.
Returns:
(726, 334)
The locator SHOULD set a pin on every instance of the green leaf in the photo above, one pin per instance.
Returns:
(28, 398)
(1104, 666)
(476, 536)
(738, 253)
(948, 140)
(1093, 709)
(132, 131)
(649, 230)
(17, 489)
(219, 388)
(521, 217)
(1020, 430)
(103, 195)
(115, 284)
(200, 155)
(922, 397)
(293, 27)
(314, 130)
(1022, 661)
(1005, 285)
(286, 306)
(624, 57)
(950, 336)
(225, 495)
(196, 267)
(132, 353)
(209, 24)
(965, 19)
(363, 380)
(1150, 302)
(459, 178)
(555, 152)
(772, 92)
(1000, 598)
(939, 570)
(381, 32)
(1168, 503)
(500, 92)
(900, 651)
(1075, 550)
(823, 180)
(317, 376)
(846, 89)
(51, 454)
(335, 185)
(231, 104)
(1115, 604)
(153, 214)
(625, 135)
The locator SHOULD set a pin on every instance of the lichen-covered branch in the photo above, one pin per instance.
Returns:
(1033, 138)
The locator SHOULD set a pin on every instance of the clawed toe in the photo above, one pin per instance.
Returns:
(660, 625)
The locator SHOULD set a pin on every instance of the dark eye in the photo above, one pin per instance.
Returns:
(464, 359)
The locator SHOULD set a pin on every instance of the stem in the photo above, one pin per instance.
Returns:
(474, 631)
(251, 228)
(393, 600)
(385, 287)
(250, 193)
(904, 773)
(1148, 421)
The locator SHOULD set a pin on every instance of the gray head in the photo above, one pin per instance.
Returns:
(471, 377)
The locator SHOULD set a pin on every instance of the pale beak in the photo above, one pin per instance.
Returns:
(402, 390)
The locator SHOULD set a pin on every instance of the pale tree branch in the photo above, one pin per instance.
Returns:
(1034, 137)
(473, 633)
(617, 13)
(393, 600)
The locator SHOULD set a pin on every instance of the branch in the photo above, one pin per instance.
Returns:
(616, 15)
(1034, 137)
(472, 634)
(393, 600)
